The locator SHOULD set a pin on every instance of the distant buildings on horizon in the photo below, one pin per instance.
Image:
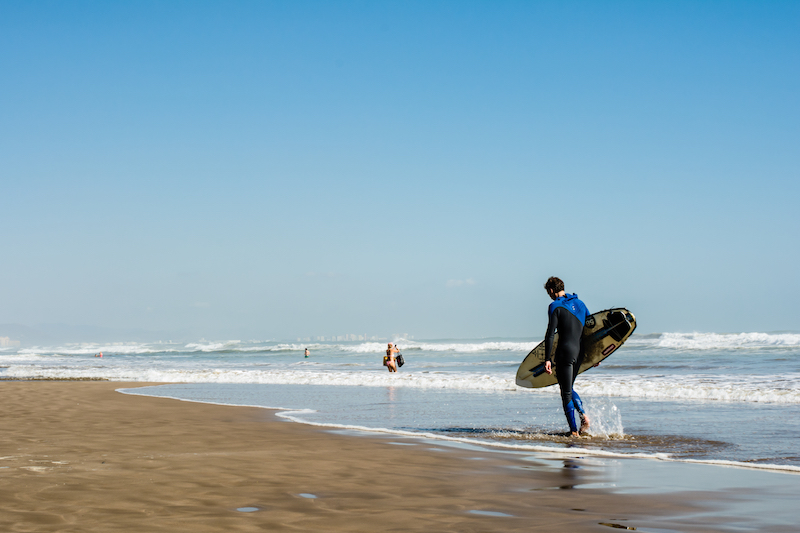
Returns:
(6, 342)
(351, 337)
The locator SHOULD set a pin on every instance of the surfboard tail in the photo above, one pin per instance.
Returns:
(524, 383)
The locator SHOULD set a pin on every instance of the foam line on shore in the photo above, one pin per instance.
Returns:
(290, 414)
(674, 342)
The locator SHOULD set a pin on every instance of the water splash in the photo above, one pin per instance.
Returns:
(605, 419)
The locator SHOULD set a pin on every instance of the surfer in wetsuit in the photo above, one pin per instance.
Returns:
(567, 314)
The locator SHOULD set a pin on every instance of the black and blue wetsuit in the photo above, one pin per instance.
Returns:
(567, 314)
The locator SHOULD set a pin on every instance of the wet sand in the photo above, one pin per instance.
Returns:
(79, 456)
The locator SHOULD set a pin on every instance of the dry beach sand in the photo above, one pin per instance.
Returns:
(79, 456)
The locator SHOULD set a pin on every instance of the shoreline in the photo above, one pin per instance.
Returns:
(559, 446)
(569, 450)
(79, 456)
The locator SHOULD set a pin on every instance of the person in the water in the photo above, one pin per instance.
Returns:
(567, 314)
(389, 360)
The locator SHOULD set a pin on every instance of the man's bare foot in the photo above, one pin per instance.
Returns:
(575, 435)
(584, 423)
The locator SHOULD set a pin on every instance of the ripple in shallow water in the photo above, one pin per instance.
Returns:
(676, 445)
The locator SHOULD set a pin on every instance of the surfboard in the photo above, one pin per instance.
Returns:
(603, 334)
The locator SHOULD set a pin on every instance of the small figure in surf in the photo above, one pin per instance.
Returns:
(307, 352)
(389, 358)
(567, 314)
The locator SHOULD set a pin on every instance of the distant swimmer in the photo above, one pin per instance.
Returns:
(567, 314)
(389, 359)
(307, 352)
(99, 354)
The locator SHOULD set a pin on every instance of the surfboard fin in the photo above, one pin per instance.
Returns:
(617, 325)
(538, 370)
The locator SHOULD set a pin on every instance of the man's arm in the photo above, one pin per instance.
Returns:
(552, 325)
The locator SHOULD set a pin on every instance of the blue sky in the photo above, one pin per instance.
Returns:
(279, 169)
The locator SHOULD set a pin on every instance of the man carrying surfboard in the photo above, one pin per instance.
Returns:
(567, 314)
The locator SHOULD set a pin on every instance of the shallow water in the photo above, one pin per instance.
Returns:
(680, 430)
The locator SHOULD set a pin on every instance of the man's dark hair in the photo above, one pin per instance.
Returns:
(554, 284)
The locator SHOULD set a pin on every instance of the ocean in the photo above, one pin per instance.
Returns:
(729, 399)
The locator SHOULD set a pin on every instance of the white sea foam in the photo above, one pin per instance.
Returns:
(778, 389)
(380, 347)
(91, 349)
(468, 347)
(731, 388)
(485, 366)
(700, 342)
(235, 346)
(677, 341)
(722, 341)
(212, 346)
(310, 375)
